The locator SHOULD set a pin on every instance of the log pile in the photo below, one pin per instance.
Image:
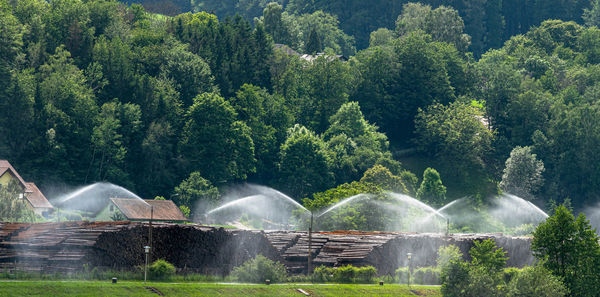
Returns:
(71, 246)
(68, 247)
(385, 251)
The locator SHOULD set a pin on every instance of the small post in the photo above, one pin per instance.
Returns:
(146, 251)
(310, 244)
(447, 227)
(409, 255)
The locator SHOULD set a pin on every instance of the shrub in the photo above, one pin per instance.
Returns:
(509, 273)
(455, 279)
(259, 269)
(322, 274)
(161, 269)
(536, 281)
(427, 276)
(366, 274)
(345, 274)
(422, 275)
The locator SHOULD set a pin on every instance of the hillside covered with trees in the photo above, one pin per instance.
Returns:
(182, 106)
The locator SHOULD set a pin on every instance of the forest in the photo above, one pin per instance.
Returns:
(184, 104)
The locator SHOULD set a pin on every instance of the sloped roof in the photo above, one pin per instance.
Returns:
(136, 209)
(5, 166)
(286, 49)
(330, 58)
(36, 197)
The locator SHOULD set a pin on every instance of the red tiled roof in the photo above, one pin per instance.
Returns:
(36, 197)
(5, 166)
(136, 209)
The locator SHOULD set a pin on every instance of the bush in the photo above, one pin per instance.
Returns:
(536, 281)
(422, 275)
(427, 276)
(322, 274)
(260, 269)
(455, 279)
(366, 274)
(509, 273)
(345, 274)
(161, 270)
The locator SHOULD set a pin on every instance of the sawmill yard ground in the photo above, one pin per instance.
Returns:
(105, 288)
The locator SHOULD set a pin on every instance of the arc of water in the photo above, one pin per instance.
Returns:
(442, 209)
(89, 188)
(343, 202)
(289, 199)
(526, 202)
(415, 202)
(78, 192)
(234, 203)
(544, 214)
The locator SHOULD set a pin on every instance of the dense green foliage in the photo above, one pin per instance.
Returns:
(184, 106)
(161, 270)
(485, 275)
(259, 269)
(421, 275)
(488, 23)
(522, 173)
(345, 274)
(569, 249)
(431, 190)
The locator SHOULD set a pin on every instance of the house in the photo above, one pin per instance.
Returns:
(131, 209)
(29, 191)
(307, 57)
(330, 58)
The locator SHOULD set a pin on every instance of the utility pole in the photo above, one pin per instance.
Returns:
(150, 231)
(310, 244)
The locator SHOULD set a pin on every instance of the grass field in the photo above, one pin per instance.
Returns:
(96, 288)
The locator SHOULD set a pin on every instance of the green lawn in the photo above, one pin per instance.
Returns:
(96, 288)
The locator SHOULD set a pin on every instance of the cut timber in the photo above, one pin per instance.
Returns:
(71, 246)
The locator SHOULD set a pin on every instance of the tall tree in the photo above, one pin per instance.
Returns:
(592, 16)
(523, 173)
(281, 26)
(214, 143)
(432, 190)
(456, 136)
(65, 109)
(304, 164)
(190, 74)
(196, 193)
(313, 44)
(570, 249)
(355, 145)
(268, 118)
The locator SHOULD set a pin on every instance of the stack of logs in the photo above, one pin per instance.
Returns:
(71, 246)
(386, 251)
